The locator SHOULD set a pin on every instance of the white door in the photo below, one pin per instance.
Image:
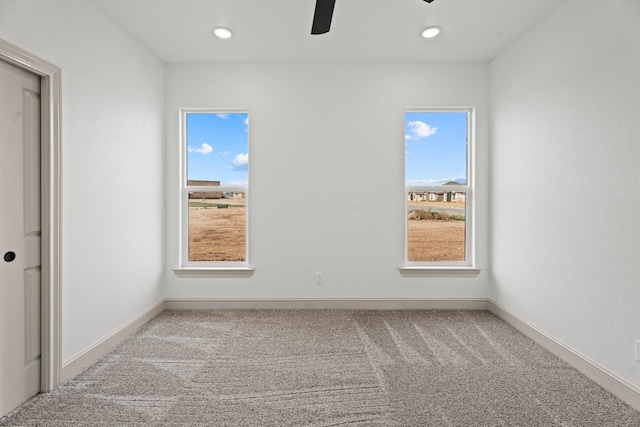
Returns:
(19, 236)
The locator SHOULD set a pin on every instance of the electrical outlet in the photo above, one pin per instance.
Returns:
(637, 350)
(319, 278)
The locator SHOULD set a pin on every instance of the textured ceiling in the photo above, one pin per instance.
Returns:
(179, 31)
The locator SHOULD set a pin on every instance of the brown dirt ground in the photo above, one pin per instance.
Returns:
(217, 234)
(436, 240)
(220, 235)
(428, 204)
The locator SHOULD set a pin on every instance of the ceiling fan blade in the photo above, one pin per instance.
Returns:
(322, 16)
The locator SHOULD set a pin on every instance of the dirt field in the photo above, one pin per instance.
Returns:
(217, 234)
(436, 240)
(220, 235)
(435, 205)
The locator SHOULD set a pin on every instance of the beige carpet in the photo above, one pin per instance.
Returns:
(327, 368)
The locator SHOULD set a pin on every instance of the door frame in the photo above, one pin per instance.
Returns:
(51, 209)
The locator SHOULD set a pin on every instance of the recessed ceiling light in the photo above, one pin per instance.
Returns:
(223, 33)
(431, 32)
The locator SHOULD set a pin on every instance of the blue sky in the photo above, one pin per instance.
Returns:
(435, 147)
(217, 147)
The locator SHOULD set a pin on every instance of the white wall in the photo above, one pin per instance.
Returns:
(113, 158)
(564, 105)
(565, 132)
(326, 174)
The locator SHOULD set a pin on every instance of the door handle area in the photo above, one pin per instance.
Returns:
(9, 256)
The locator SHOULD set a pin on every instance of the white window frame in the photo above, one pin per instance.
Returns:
(447, 267)
(199, 268)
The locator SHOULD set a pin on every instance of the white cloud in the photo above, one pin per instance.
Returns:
(204, 149)
(407, 137)
(241, 162)
(420, 129)
(224, 153)
(223, 115)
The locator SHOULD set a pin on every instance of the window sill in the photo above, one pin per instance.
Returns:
(419, 271)
(213, 271)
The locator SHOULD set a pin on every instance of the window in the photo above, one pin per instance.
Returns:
(438, 187)
(215, 186)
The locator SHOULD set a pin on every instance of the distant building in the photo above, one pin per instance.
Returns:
(200, 183)
(204, 195)
(417, 196)
(438, 196)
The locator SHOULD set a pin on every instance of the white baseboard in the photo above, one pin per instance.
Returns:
(606, 379)
(100, 348)
(327, 304)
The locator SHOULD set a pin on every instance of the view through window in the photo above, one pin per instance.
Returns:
(437, 186)
(215, 187)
